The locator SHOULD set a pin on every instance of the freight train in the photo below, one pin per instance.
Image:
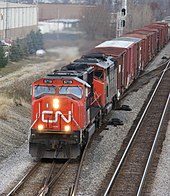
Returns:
(69, 104)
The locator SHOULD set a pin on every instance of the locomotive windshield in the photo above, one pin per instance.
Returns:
(41, 90)
(71, 90)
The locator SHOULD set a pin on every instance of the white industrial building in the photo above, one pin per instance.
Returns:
(17, 20)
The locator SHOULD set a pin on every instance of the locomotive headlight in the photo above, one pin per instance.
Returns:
(55, 103)
(40, 127)
(67, 128)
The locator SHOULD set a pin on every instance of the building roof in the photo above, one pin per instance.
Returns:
(15, 5)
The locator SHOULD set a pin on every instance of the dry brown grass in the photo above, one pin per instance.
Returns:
(20, 90)
(18, 77)
(5, 104)
(14, 66)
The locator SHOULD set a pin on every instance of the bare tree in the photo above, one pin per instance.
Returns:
(157, 11)
(160, 8)
(96, 22)
(138, 16)
(91, 2)
(107, 3)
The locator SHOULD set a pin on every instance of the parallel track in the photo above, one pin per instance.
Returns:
(128, 178)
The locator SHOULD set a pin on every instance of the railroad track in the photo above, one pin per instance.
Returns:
(74, 187)
(46, 187)
(40, 179)
(21, 183)
(130, 175)
(50, 181)
(30, 184)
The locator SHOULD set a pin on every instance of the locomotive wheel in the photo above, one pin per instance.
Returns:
(85, 138)
(98, 120)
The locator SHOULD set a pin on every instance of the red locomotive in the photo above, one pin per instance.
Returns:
(68, 104)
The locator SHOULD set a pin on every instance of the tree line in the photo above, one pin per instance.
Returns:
(101, 22)
(21, 48)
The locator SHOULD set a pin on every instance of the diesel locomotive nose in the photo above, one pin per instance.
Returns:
(56, 114)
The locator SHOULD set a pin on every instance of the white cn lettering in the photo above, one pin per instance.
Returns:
(56, 116)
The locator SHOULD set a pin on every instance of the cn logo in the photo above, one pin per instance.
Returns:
(58, 113)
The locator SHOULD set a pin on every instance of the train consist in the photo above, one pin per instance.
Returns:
(69, 104)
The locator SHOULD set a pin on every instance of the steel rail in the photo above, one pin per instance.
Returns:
(134, 134)
(48, 178)
(23, 180)
(47, 185)
(160, 65)
(153, 148)
(74, 188)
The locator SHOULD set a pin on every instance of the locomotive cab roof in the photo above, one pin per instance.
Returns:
(77, 71)
(63, 76)
(79, 67)
(67, 74)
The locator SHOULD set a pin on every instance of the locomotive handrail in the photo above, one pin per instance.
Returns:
(33, 123)
(37, 117)
(96, 99)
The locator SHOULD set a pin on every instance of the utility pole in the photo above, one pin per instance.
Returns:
(121, 19)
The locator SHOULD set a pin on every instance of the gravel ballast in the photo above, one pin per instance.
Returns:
(161, 185)
(14, 167)
(101, 153)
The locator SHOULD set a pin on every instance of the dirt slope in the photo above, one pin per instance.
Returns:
(15, 106)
